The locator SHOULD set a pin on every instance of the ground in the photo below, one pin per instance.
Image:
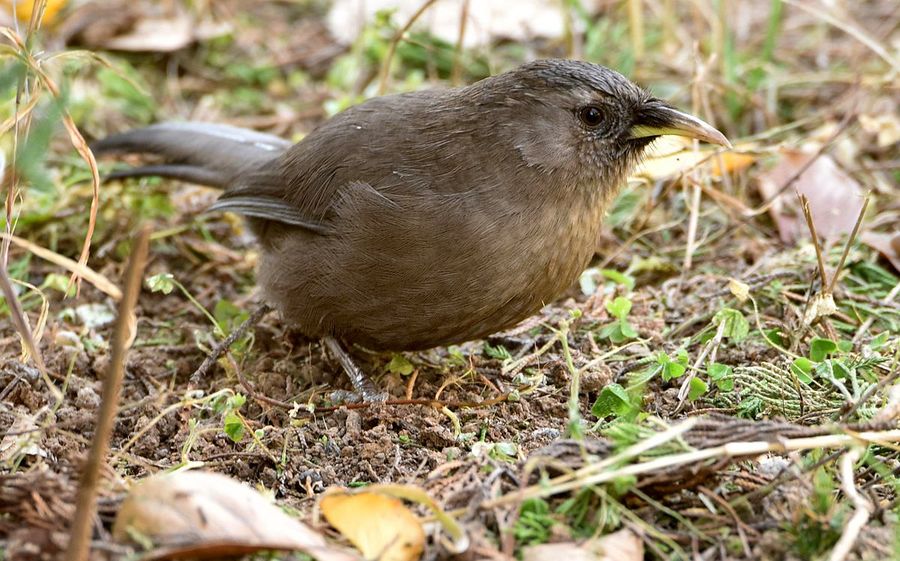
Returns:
(704, 302)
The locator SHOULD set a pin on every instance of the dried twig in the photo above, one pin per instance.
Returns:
(123, 336)
(603, 471)
(392, 48)
(861, 515)
(20, 322)
(226, 343)
(811, 224)
(456, 72)
(853, 233)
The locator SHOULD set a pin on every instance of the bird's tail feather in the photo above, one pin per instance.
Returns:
(203, 153)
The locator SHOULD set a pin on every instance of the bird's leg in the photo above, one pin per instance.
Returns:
(361, 383)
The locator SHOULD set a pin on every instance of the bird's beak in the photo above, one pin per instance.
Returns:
(659, 119)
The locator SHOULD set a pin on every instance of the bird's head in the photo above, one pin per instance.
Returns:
(587, 123)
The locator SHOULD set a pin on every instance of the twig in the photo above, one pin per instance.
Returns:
(392, 48)
(456, 72)
(861, 515)
(853, 233)
(123, 336)
(226, 343)
(601, 473)
(810, 223)
(20, 322)
(851, 30)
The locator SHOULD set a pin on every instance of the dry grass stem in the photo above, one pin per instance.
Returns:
(123, 336)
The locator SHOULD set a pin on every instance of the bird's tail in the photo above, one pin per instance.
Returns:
(202, 153)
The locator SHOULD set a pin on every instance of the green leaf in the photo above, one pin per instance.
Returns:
(736, 325)
(820, 348)
(618, 277)
(399, 364)
(613, 400)
(627, 329)
(619, 307)
(234, 427)
(672, 369)
(775, 336)
(845, 346)
(163, 282)
(236, 401)
(878, 341)
(622, 485)
(499, 352)
(227, 314)
(696, 388)
(841, 370)
(722, 375)
(802, 369)
(717, 370)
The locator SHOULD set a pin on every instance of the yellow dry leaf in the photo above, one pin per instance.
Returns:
(672, 156)
(378, 525)
(25, 7)
(740, 290)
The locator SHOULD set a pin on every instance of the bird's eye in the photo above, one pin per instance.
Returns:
(590, 116)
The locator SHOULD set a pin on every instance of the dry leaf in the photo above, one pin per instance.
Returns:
(885, 244)
(740, 290)
(22, 438)
(835, 198)
(129, 26)
(821, 305)
(671, 156)
(488, 21)
(24, 8)
(885, 127)
(208, 515)
(623, 545)
(378, 525)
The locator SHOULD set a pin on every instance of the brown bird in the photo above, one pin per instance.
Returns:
(428, 218)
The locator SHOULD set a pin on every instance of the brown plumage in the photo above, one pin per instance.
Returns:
(434, 217)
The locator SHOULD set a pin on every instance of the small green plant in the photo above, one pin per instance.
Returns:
(499, 352)
(166, 283)
(401, 365)
(233, 423)
(614, 401)
(669, 368)
(620, 330)
(733, 324)
(535, 522)
(722, 375)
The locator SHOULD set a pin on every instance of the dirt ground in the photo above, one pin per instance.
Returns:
(463, 423)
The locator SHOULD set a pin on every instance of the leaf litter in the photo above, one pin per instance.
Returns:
(741, 463)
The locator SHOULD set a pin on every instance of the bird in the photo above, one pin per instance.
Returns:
(427, 218)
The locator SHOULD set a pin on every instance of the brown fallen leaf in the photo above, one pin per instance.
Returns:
(835, 198)
(885, 244)
(207, 515)
(378, 525)
(127, 26)
(623, 545)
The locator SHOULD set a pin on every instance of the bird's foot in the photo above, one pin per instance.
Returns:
(364, 390)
